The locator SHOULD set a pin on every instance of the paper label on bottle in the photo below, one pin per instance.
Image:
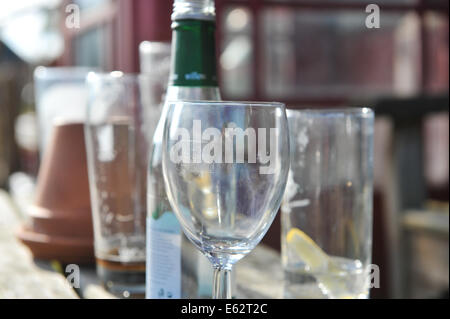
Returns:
(163, 257)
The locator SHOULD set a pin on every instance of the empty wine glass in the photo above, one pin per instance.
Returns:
(225, 168)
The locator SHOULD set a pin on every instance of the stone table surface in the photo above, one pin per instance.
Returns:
(20, 276)
(258, 275)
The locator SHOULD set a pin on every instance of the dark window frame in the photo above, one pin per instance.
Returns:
(104, 16)
(131, 22)
(256, 7)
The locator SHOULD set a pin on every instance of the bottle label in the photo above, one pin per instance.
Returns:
(163, 257)
(194, 56)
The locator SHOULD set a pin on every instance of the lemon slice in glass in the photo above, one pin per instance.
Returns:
(313, 256)
(322, 266)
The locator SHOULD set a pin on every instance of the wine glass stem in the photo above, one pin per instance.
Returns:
(222, 283)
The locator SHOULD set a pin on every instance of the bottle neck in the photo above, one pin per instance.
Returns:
(193, 54)
(194, 9)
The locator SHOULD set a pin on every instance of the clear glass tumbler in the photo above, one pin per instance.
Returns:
(117, 135)
(327, 205)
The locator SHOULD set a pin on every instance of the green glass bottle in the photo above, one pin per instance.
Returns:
(175, 268)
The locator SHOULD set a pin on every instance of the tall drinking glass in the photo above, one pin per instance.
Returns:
(327, 207)
(117, 148)
(225, 167)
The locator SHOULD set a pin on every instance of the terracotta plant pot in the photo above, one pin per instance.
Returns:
(60, 224)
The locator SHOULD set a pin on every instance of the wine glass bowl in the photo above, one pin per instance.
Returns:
(225, 168)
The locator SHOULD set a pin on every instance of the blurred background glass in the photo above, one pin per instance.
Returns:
(60, 96)
(154, 61)
(116, 133)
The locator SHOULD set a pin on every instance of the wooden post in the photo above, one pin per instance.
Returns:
(137, 21)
